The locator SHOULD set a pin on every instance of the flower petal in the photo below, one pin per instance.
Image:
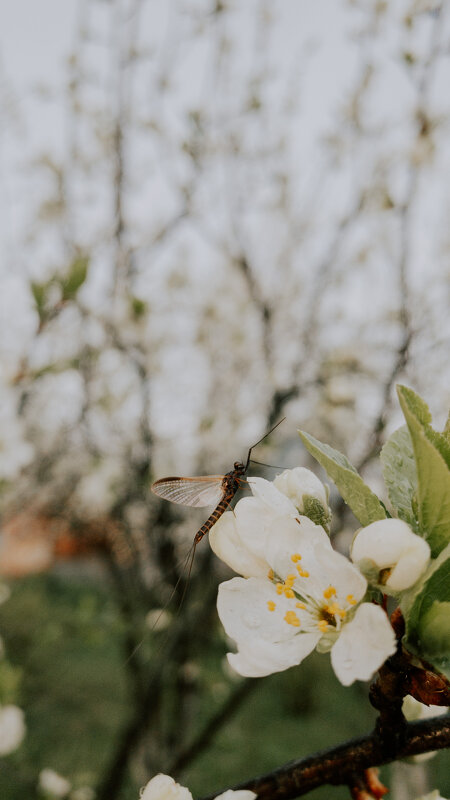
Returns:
(269, 494)
(227, 544)
(259, 658)
(163, 787)
(363, 645)
(297, 482)
(391, 544)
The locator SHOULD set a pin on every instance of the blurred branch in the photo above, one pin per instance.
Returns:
(203, 739)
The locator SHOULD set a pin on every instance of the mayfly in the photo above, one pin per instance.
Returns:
(207, 490)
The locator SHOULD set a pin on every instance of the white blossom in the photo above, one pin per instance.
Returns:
(310, 597)
(435, 795)
(300, 483)
(163, 787)
(12, 729)
(53, 784)
(83, 793)
(238, 538)
(390, 554)
(15, 451)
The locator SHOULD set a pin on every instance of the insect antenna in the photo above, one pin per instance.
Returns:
(261, 440)
(262, 464)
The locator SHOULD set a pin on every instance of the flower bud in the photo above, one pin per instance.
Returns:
(390, 554)
(306, 492)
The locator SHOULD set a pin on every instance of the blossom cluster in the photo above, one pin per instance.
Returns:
(296, 593)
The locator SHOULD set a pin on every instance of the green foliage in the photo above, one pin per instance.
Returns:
(433, 474)
(75, 278)
(138, 307)
(67, 287)
(426, 610)
(363, 502)
(10, 678)
(400, 474)
(40, 294)
(315, 510)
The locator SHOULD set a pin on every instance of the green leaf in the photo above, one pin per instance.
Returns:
(400, 474)
(138, 307)
(426, 609)
(433, 475)
(446, 431)
(363, 502)
(76, 277)
(39, 291)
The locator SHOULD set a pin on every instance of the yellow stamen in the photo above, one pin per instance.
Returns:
(289, 580)
(300, 605)
(296, 557)
(288, 592)
(279, 587)
(350, 599)
(333, 609)
(291, 618)
(271, 605)
(322, 625)
(329, 592)
(302, 572)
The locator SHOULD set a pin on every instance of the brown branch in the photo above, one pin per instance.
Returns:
(339, 765)
(204, 737)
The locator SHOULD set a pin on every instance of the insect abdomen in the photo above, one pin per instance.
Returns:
(216, 514)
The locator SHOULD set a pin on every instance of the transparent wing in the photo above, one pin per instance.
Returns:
(204, 490)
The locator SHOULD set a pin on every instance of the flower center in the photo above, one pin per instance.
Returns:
(324, 610)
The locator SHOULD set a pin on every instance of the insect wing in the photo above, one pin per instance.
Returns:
(201, 491)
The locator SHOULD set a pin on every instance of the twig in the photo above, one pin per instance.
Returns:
(203, 739)
(338, 765)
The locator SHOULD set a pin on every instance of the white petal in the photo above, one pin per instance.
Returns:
(391, 544)
(269, 494)
(163, 787)
(295, 483)
(294, 536)
(255, 524)
(227, 544)
(237, 794)
(244, 613)
(259, 658)
(409, 567)
(363, 645)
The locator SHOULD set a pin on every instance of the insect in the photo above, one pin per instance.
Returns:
(207, 490)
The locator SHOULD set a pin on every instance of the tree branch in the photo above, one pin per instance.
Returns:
(339, 765)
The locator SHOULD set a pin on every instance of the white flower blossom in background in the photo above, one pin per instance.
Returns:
(12, 729)
(308, 597)
(163, 787)
(15, 451)
(413, 709)
(53, 784)
(435, 795)
(390, 554)
(83, 793)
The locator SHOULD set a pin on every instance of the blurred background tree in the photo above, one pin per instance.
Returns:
(214, 214)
